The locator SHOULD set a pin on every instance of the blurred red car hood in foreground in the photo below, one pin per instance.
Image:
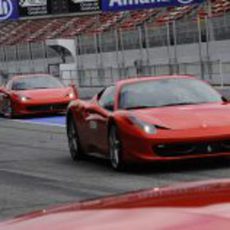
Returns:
(177, 117)
(201, 205)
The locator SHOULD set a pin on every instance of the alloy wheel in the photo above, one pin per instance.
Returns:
(7, 108)
(115, 149)
(73, 140)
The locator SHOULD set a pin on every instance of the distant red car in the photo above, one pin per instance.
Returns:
(34, 94)
(189, 206)
(151, 119)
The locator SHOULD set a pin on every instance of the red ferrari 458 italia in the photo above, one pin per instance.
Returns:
(151, 119)
(34, 94)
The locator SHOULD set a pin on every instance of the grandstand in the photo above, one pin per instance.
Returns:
(119, 43)
(36, 30)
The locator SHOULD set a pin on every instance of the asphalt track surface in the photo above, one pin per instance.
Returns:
(36, 171)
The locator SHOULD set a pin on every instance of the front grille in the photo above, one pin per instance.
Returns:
(192, 148)
(49, 107)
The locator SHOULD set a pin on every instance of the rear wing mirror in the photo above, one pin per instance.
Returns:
(75, 90)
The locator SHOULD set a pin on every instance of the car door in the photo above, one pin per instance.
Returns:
(97, 119)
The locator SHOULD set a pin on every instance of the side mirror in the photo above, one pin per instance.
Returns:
(73, 86)
(109, 106)
(225, 99)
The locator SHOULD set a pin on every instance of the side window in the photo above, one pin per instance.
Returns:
(106, 99)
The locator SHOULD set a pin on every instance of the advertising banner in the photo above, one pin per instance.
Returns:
(58, 6)
(32, 7)
(120, 5)
(8, 10)
(84, 5)
(49, 7)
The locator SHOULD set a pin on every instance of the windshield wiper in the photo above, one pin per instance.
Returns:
(159, 106)
(182, 103)
(40, 87)
(139, 107)
(21, 89)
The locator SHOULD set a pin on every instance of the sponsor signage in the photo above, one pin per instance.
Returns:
(32, 7)
(8, 10)
(47, 7)
(58, 6)
(83, 5)
(120, 5)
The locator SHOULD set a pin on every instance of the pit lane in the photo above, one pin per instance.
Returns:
(36, 171)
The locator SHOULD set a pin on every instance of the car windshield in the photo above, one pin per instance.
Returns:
(36, 82)
(166, 92)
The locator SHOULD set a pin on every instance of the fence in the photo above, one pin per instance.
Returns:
(107, 76)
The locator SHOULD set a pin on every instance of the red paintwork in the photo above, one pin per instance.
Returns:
(198, 205)
(38, 97)
(138, 145)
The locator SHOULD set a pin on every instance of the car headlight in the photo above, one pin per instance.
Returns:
(24, 98)
(146, 127)
(70, 95)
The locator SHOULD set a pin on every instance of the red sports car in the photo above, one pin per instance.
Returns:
(34, 94)
(151, 119)
(192, 206)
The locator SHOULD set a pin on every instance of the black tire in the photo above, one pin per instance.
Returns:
(75, 149)
(115, 150)
(7, 109)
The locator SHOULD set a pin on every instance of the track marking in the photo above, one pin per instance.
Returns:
(50, 121)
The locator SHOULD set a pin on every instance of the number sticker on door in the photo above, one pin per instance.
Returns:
(93, 125)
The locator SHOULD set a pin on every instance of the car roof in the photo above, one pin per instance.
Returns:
(16, 77)
(131, 80)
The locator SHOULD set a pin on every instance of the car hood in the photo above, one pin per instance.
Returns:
(45, 93)
(187, 117)
(203, 205)
(149, 218)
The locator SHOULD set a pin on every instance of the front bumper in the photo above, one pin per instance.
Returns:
(40, 107)
(175, 144)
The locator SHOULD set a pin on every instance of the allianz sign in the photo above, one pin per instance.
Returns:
(8, 9)
(115, 5)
